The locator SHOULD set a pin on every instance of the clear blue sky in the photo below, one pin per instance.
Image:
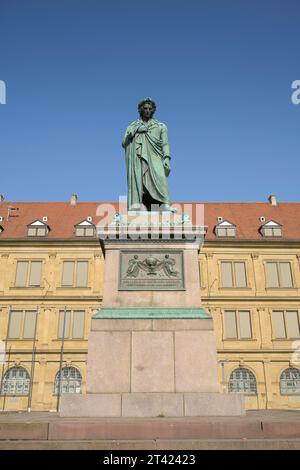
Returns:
(219, 70)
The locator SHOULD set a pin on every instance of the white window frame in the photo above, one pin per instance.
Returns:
(237, 323)
(27, 284)
(277, 262)
(246, 385)
(15, 382)
(22, 329)
(77, 381)
(233, 272)
(285, 312)
(69, 334)
(74, 283)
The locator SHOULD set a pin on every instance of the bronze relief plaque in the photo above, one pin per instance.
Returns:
(151, 270)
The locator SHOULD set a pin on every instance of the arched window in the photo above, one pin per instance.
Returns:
(16, 381)
(290, 382)
(242, 381)
(68, 380)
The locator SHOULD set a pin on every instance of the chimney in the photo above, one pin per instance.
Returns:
(272, 200)
(1, 198)
(73, 200)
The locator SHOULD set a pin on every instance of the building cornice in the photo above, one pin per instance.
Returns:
(251, 243)
(261, 298)
(51, 298)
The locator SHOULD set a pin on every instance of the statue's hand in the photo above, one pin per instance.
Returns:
(142, 129)
(167, 166)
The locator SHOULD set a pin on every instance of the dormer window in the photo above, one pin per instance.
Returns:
(85, 229)
(271, 229)
(225, 229)
(37, 229)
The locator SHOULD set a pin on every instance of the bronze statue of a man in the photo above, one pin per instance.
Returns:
(147, 160)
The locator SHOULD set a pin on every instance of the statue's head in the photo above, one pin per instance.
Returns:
(147, 108)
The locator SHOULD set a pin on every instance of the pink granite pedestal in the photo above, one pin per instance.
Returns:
(152, 353)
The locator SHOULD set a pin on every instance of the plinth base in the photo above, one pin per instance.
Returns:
(152, 405)
(152, 367)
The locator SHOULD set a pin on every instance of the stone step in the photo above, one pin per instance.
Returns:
(80, 429)
(154, 445)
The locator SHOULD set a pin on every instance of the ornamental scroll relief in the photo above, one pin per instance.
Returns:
(151, 270)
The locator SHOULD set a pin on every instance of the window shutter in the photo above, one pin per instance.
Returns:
(272, 275)
(79, 232)
(231, 232)
(41, 232)
(61, 324)
(68, 274)
(240, 275)
(21, 276)
(286, 275)
(278, 321)
(292, 324)
(29, 324)
(78, 324)
(226, 268)
(245, 325)
(31, 232)
(89, 232)
(35, 273)
(15, 323)
(82, 274)
(221, 232)
(230, 325)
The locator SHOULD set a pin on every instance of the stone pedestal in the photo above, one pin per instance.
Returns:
(152, 349)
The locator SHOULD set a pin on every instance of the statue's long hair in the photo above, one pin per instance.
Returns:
(146, 100)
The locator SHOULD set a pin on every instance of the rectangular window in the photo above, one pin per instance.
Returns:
(233, 274)
(237, 324)
(22, 324)
(286, 324)
(279, 274)
(28, 274)
(74, 324)
(75, 274)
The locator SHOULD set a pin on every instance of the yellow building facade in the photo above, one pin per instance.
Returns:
(51, 283)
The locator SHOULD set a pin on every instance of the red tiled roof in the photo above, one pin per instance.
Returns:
(62, 217)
